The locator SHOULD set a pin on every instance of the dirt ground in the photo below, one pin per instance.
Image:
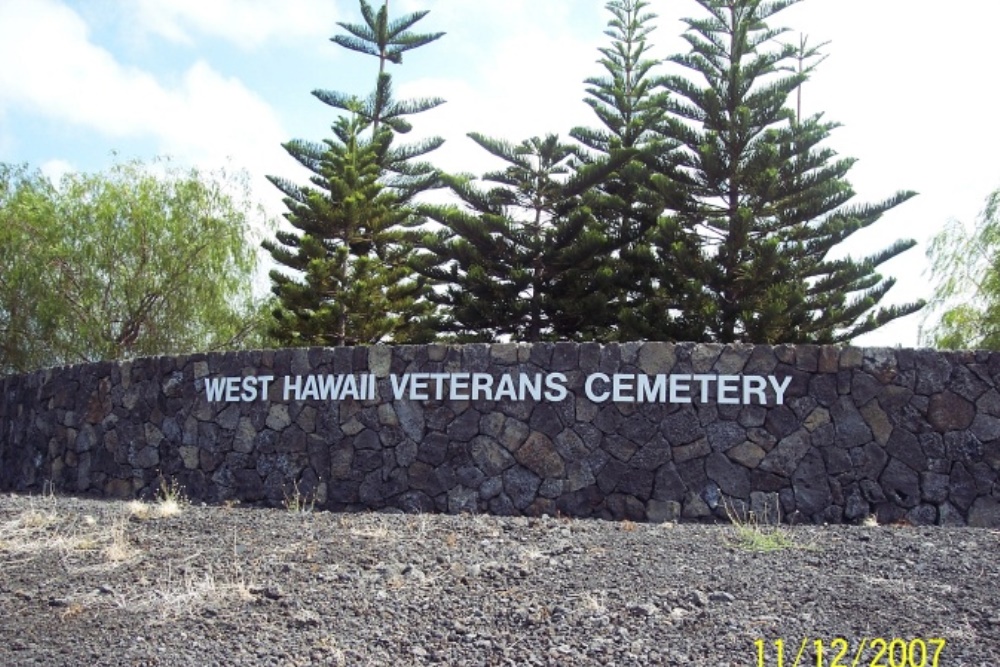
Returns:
(90, 582)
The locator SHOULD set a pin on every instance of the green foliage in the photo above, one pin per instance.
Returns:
(626, 100)
(350, 281)
(769, 201)
(645, 294)
(136, 261)
(521, 258)
(378, 36)
(965, 266)
(356, 286)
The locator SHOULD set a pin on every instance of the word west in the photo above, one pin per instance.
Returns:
(552, 387)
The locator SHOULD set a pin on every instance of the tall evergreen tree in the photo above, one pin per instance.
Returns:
(518, 258)
(768, 199)
(349, 254)
(645, 295)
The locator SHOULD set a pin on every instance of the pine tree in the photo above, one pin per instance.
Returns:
(644, 294)
(351, 247)
(518, 258)
(770, 202)
(355, 286)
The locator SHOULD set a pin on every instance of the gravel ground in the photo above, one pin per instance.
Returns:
(89, 582)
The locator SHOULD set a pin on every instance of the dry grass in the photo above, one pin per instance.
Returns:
(188, 593)
(594, 602)
(170, 501)
(120, 550)
(36, 528)
(297, 501)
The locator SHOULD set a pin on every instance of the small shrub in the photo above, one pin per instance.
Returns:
(760, 533)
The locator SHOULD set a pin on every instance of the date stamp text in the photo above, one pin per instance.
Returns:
(867, 652)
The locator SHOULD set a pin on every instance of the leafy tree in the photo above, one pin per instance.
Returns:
(26, 318)
(135, 261)
(645, 293)
(768, 200)
(965, 266)
(517, 258)
(351, 283)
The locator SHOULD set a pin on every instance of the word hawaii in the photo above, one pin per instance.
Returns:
(553, 387)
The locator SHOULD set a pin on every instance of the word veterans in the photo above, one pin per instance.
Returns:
(551, 387)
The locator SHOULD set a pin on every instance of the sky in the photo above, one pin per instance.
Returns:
(223, 83)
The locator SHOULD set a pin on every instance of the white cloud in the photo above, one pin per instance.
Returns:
(203, 118)
(246, 23)
(54, 170)
(523, 69)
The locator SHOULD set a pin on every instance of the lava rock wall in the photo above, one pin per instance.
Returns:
(644, 431)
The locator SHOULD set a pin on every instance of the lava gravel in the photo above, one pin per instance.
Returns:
(90, 582)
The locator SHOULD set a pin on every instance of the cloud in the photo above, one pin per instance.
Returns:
(54, 170)
(524, 65)
(246, 23)
(203, 117)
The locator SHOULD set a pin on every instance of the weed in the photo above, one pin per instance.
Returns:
(139, 510)
(595, 602)
(296, 501)
(87, 543)
(170, 500)
(72, 610)
(759, 533)
(119, 550)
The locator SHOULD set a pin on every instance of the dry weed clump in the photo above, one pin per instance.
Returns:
(299, 502)
(189, 592)
(170, 501)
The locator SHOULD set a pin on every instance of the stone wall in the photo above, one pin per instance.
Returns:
(904, 434)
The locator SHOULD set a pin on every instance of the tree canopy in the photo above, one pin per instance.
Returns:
(767, 196)
(521, 257)
(965, 269)
(347, 280)
(137, 260)
(644, 294)
(702, 206)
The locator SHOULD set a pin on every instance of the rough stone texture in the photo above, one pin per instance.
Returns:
(908, 435)
(950, 412)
